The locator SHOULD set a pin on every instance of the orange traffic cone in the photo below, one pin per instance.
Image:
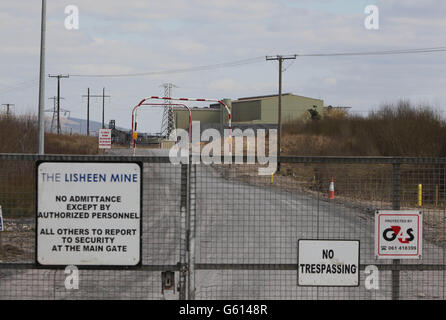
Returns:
(331, 189)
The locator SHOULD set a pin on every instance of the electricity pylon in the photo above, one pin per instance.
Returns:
(168, 121)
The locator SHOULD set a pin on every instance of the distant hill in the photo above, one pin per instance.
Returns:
(79, 126)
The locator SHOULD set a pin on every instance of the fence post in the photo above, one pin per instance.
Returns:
(396, 205)
(183, 232)
(192, 214)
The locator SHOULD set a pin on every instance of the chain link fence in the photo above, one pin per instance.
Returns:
(228, 233)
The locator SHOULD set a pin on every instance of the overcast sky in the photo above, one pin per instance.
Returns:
(142, 36)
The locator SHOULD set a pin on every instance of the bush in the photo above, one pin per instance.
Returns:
(17, 178)
(19, 135)
(401, 130)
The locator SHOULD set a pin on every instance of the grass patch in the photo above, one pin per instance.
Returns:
(17, 178)
(394, 130)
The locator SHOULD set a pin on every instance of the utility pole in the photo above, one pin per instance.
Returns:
(58, 98)
(88, 111)
(41, 138)
(7, 107)
(103, 96)
(279, 122)
(103, 107)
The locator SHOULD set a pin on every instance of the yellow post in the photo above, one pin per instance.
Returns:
(272, 178)
(420, 195)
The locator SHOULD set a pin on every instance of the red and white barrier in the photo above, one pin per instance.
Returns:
(143, 102)
(135, 124)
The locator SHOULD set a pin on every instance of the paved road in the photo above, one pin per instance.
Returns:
(251, 224)
(237, 223)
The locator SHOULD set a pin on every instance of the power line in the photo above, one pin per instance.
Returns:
(260, 59)
(370, 53)
(288, 66)
(191, 69)
(243, 62)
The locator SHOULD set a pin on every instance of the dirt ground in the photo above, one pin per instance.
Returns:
(17, 241)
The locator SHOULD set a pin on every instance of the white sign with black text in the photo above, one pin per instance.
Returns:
(398, 234)
(89, 213)
(330, 263)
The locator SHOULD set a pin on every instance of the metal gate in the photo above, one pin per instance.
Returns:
(163, 232)
(228, 233)
(248, 226)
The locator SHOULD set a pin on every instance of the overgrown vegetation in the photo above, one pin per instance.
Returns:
(17, 178)
(19, 135)
(393, 130)
(401, 130)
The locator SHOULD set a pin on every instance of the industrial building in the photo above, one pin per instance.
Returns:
(253, 112)
(208, 117)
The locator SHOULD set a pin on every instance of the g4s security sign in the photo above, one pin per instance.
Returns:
(398, 234)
